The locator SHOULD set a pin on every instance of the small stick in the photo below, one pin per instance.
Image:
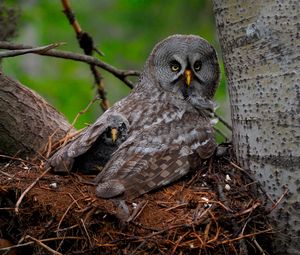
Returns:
(178, 242)
(278, 201)
(252, 208)
(176, 206)
(71, 196)
(42, 240)
(138, 210)
(6, 174)
(244, 236)
(138, 247)
(28, 189)
(65, 213)
(258, 246)
(42, 49)
(43, 245)
(82, 112)
(86, 232)
(224, 122)
(221, 133)
(66, 229)
(18, 159)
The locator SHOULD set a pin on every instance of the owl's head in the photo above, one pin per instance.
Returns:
(186, 65)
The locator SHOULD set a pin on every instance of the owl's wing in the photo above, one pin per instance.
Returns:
(136, 173)
(139, 167)
(63, 159)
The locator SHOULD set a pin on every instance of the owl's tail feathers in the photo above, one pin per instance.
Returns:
(110, 188)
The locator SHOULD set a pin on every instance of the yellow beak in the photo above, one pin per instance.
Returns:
(188, 77)
(114, 134)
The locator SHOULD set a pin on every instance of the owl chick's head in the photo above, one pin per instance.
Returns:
(116, 131)
(186, 65)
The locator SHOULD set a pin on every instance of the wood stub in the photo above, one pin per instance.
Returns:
(26, 120)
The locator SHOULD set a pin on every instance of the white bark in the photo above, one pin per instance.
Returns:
(261, 50)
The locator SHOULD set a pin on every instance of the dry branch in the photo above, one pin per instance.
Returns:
(119, 73)
(86, 42)
(13, 53)
(26, 120)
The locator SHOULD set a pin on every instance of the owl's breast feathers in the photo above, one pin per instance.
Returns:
(167, 123)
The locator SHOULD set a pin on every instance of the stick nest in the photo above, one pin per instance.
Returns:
(217, 209)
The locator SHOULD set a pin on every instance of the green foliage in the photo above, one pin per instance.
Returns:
(125, 30)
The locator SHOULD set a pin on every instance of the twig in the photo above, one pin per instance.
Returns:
(258, 246)
(7, 208)
(49, 147)
(39, 50)
(138, 247)
(73, 198)
(18, 159)
(66, 229)
(82, 112)
(252, 208)
(28, 189)
(43, 245)
(245, 236)
(119, 73)
(86, 43)
(278, 201)
(65, 213)
(138, 210)
(42, 240)
(221, 133)
(245, 225)
(68, 136)
(178, 242)
(6, 174)
(217, 202)
(86, 232)
(215, 238)
(176, 206)
(224, 122)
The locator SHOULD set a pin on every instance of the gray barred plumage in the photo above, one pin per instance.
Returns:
(166, 118)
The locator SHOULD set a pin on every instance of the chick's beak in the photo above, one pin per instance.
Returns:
(188, 76)
(114, 135)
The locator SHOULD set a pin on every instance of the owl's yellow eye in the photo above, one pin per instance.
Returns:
(175, 66)
(197, 66)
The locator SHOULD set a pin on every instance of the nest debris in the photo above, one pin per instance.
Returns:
(218, 209)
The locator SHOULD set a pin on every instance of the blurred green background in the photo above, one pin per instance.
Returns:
(125, 30)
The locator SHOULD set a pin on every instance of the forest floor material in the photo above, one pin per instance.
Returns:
(217, 209)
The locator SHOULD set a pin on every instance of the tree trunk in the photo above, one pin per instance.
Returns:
(26, 120)
(261, 51)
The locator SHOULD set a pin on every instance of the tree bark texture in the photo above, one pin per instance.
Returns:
(260, 42)
(26, 120)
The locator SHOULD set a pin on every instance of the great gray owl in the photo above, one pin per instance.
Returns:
(166, 119)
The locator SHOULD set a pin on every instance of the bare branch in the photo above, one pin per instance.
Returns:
(119, 73)
(13, 53)
(86, 43)
(38, 242)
